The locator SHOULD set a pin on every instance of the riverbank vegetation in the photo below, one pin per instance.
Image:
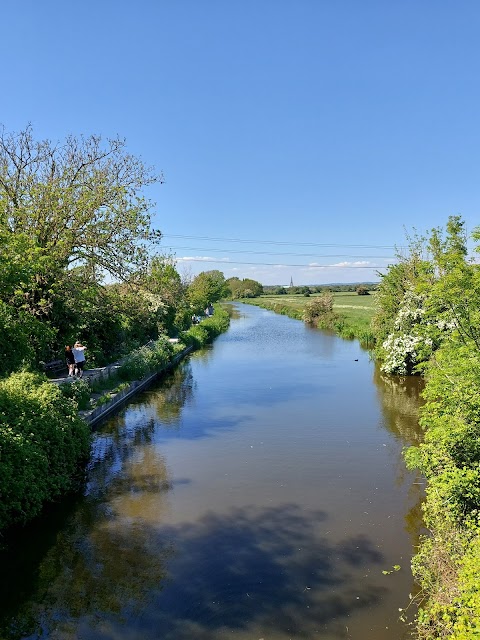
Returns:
(140, 363)
(78, 261)
(43, 446)
(428, 322)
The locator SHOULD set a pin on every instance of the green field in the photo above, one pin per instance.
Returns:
(346, 303)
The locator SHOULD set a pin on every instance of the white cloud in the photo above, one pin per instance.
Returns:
(360, 263)
(341, 265)
(201, 259)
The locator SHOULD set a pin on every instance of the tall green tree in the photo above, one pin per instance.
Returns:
(246, 288)
(79, 200)
(70, 213)
(206, 287)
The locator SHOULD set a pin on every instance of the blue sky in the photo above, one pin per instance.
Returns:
(292, 134)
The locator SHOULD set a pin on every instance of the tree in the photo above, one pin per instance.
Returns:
(163, 281)
(422, 301)
(78, 201)
(246, 288)
(69, 213)
(319, 309)
(207, 287)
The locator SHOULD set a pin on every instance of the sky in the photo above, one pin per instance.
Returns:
(299, 140)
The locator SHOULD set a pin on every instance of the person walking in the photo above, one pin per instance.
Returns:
(70, 359)
(79, 355)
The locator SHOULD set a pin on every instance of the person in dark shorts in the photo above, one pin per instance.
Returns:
(70, 360)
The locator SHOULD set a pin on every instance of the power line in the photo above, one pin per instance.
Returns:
(276, 264)
(286, 253)
(278, 242)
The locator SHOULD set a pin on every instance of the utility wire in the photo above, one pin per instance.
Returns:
(276, 264)
(285, 253)
(277, 242)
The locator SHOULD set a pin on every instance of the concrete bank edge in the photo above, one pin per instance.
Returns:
(92, 417)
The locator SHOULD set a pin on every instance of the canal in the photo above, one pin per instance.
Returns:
(257, 492)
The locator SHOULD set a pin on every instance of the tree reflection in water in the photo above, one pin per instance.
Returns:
(257, 570)
(400, 400)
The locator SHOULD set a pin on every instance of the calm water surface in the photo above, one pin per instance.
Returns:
(258, 492)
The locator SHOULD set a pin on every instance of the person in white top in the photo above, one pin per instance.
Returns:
(79, 355)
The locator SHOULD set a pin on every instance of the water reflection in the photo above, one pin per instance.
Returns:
(106, 579)
(176, 391)
(266, 571)
(400, 400)
(98, 568)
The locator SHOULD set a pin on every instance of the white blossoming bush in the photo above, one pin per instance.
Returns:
(411, 312)
(414, 337)
(400, 353)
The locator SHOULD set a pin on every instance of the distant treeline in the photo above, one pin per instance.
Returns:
(318, 288)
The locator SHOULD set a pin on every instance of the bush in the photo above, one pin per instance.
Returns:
(24, 340)
(43, 446)
(363, 291)
(145, 360)
(319, 309)
(77, 390)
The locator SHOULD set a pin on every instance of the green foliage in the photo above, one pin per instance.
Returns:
(319, 310)
(167, 294)
(69, 213)
(206, 288)
(449, 457)
(78, 390)
(139, 363)
(201, 334)
(422, 301)
(24, 340)
(246, 288)
(363, 291)
(197, 336)
(104, 399)
(78, 202)
(395, 567)
(43, 446)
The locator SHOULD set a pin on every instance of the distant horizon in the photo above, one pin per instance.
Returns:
(326, 284)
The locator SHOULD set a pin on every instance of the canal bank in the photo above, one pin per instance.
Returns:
(150, 362)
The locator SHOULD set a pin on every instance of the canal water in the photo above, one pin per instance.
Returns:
(257, 492)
